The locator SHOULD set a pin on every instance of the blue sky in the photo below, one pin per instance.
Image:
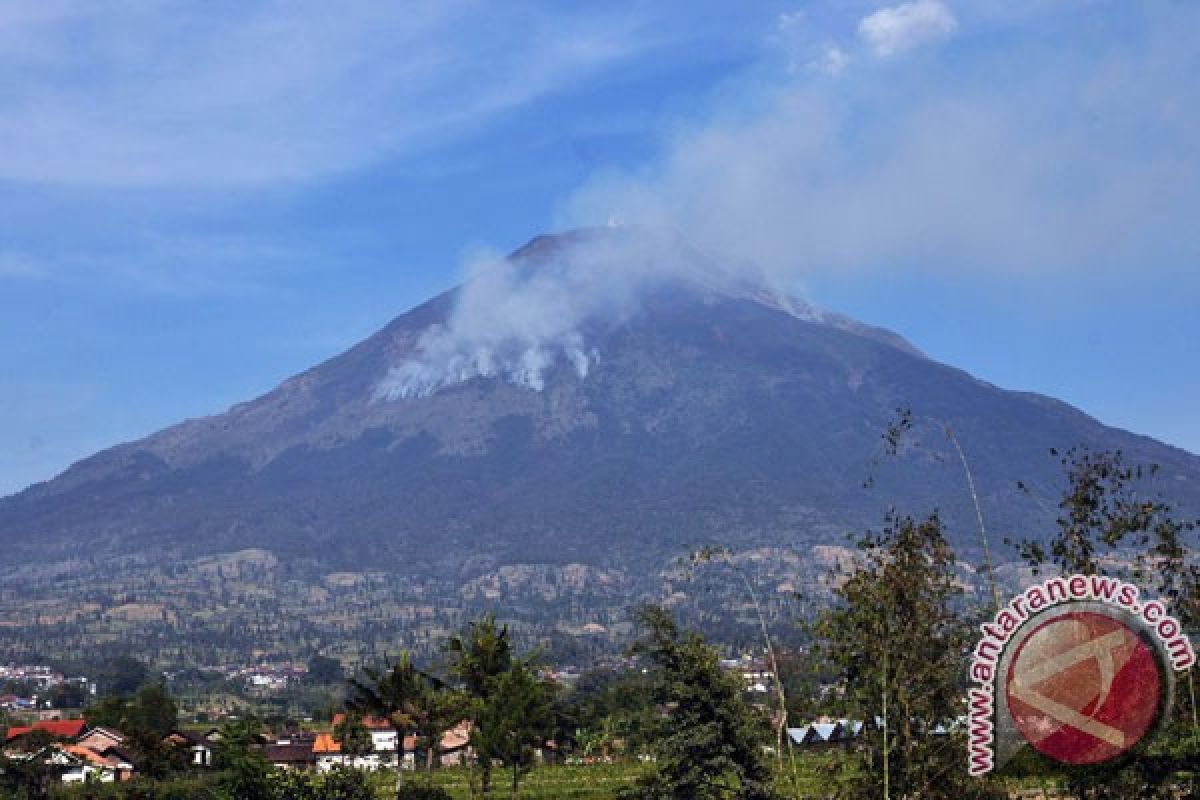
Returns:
(198, 200)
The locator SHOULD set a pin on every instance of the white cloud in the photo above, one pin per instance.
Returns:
(833, 60)
(893, 30)
(799, 42)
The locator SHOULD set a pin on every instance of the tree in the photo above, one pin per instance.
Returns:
(438, 708)
(898, 646)
(153, 710)
(399, 695)
(122, 675)
(324, 670)
(613, 712)
(1106, 510)
(711, 742)
(35, 741)
(26, 779)
(146, 718)
(246, 773)
(352, 736)
(70, 694)
(513, 721)
(478, 657)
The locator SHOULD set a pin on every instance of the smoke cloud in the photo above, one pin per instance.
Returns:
(986, 144)
(931, 144)
(518, 319)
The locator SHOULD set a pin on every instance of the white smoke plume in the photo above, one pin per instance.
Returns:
(517, 320)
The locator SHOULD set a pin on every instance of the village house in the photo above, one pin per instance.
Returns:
(79, 754)
(383, 739)
(826, 733)
(198, 745)
(291, 754)
(456, 745)
(100, 739)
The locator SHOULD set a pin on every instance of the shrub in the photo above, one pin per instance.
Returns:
(417, 792)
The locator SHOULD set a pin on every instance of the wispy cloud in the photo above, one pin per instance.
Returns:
(159, 94)
(152, 263)
(833, 60)
(21, 267)
(893, 30)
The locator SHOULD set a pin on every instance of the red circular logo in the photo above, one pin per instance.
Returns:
(1083, 687)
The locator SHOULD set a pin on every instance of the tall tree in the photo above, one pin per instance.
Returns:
(513, 721)
(1112, 508)
(245, 772)
(478, 657)
(898, 647)
(394, 694)
(711, 742)
(437, 711)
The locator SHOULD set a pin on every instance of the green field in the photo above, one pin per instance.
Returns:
(594, 782)
(816, 774)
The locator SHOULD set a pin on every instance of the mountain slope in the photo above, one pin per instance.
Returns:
(704, 409)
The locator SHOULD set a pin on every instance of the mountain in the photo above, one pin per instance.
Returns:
(548, 438)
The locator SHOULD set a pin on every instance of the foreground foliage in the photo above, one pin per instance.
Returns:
(897, 645)
(710, 743)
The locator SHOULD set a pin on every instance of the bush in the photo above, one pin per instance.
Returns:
(339, 783)
(417, 792)
(190, 788)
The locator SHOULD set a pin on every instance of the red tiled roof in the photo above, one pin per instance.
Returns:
(325, 743)
(88, 754)
(58, 728)
(457, 737)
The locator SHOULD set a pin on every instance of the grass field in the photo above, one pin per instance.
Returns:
(815, 776)
(587, 782)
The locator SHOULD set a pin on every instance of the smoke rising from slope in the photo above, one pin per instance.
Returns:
(518, 319)
(908, 157)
